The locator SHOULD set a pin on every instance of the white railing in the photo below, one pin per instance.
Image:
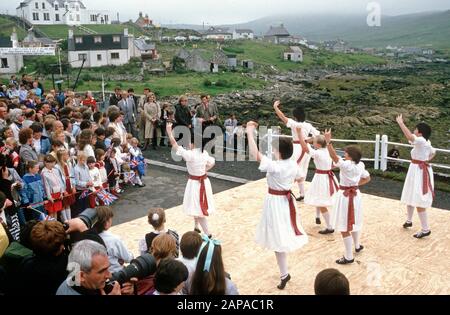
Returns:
(381, 145)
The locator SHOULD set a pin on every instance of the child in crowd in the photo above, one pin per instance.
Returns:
(137, 161)
(10, 151)
(54, 186)
(32, 191)
(170, 277)
(64, 165)
(331, 282)
(83, 183)
(96, 180)
(189, 247)
(113, 170)
(100, 157)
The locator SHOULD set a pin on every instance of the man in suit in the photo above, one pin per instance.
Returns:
(207, 115)
(129, 108)
(116, 97)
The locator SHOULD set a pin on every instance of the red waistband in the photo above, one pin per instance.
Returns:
(323, 172)
(297, 142)
(279, 192)
(292, 211)
(348, 187)
(203, 177)
(418, 162)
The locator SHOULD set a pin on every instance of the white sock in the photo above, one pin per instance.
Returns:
(423, 216)
(317, 213)
(138, 180)
(410, 210)
(326, 216)
(348, 242)
(356, 236)
(204, 224)
(301, 188)
(196, 222)
(282, 264)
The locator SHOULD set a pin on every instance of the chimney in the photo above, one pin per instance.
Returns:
(125, 31)
(70, 33)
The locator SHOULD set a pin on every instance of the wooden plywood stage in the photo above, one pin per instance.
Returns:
(393, 262)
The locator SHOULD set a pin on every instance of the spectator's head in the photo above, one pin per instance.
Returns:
(353, 153)
(7, 133)
(204, 99)
(183, 100)
(117, 90)
(115, 142)
(49, 161)
(147, 90)
(88, 94)
(81, 158)
(104, 218)
(57, 126)
(26, 136)
(67, 124)
(48, 124)
(164, 246)
(209, 276)
(100, 133)
(130, 91)
(57, 145)
(30, 114)
(134, 142)
(85, 138)
(59, 136)
(299, 114)
(3, 110)
(87, 114)
(91, 162)
(423, 130)
(46, 108)
(114, 117)
(109, 132)
(37, 130)
(98, 117)
(190, 244)
(65, 112)
(319, 142)
(62, 156)
(156, 218)
(11, 143)
(99, 155)
(85, 125)
(92, 260)
(124, 94)
(331, 282)
(283, 148)
(170, 276)
(16, 115)
(47, 238)
(77, 116)
(32, 167)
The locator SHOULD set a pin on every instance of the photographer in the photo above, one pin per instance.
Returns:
(89, 266)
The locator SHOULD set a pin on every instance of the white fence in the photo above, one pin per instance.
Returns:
(381, 145)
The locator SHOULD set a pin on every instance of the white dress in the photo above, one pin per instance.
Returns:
(350, 175)
(196, 163)
(412, 194)
(318, 194)
(307, 129)
(275, 231)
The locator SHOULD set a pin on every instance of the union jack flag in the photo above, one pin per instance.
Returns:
(44, 217)
(106, 197)
(134, 163)
(84, 194)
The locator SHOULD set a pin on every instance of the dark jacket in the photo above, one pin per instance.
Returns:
(183, 115)
(114, 100)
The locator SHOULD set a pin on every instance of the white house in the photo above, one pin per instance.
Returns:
(219, 34)
(10, 63)
(70, 12)
(107, 49)
(294, 53)
(243, 34)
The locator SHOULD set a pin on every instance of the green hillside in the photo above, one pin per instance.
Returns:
(6, 28)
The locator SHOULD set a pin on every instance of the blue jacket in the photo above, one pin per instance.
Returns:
(33, 189)
(46, 147)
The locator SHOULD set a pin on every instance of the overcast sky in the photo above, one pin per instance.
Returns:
(239, 11)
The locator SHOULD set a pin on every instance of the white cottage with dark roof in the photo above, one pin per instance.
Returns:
(278, 35)
(69, 12)
(243, 34)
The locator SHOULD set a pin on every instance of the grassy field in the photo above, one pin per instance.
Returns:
(7, 26)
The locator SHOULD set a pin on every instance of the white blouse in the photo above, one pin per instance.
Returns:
(351, 173)
(196, 160)
(280, 174)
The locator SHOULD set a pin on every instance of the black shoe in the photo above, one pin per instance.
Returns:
(300, 198)
(197, 230)
(141, 186)
(210, 236)
(422, 234)
(326, 231)
(344, 261)
(283, 282)
(407, 225)
(318, 222)
(359, 249)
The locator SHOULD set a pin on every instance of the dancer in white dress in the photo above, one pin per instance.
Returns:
(301, 157)
(198, 200)
(418, 191)
(347, 212)
(324, 185)
(280, 228)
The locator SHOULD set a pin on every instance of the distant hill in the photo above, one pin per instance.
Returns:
(423, 29)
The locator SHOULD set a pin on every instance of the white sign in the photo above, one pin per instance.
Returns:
(29, 51)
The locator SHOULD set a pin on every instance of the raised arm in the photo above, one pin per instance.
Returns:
(172, 140)
(408, 134)
(305, 147)
(330, 147)
(251, 126)
(279, 113)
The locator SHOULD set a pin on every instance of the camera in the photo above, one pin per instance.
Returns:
(139, 268)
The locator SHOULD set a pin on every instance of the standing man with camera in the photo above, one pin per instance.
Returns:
(88, 267)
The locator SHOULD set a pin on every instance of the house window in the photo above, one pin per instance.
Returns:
(4, 63)
(71, 17)
(115, 56)
(78, 40)
(67, 7)
(56, 7)
(36, 5)
(56, 17)
(82, 57)
(93, 18)
(46, 16)
(35, 16)
(116, 39)
(77, 8)
(78, 17)
(106, 18)
(43, 5)
(97, 39)
(99, 57)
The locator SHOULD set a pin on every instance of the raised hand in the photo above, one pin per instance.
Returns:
(276, 104)
(251, 125)
(327, 135)
(169, 127)
(399, 119)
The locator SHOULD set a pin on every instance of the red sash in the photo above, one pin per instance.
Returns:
(331, 178)
(288, 195)
(203, 197)
(302, 155)
(350, 192)
(426, 179)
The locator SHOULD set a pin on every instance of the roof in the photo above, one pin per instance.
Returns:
(277, 31)
(141, 44)
(31, 38)
(218, 31)
(243, 30)
(107, 42)
(60, 3)
(5, 41)
(295, 49)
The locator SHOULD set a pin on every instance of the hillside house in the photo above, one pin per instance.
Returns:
(294, 53)
(243, 34)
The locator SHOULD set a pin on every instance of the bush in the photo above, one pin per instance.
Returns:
(222, 83)
(207, 82)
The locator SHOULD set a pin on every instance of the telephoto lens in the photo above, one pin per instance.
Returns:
(139, 268)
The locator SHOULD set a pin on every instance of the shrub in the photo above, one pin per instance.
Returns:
(207, 82)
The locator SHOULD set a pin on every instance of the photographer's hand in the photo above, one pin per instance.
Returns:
(128, 287)
(114, 291)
